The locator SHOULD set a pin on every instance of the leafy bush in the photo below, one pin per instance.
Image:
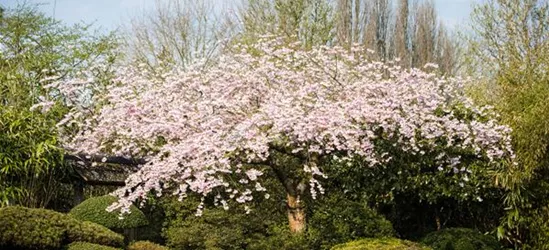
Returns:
(460, 239)
(218, 228)
(146, 245)
(336, 220)
(280, 237)
(27, 228)
(154, 212)
(537, 225)
(94, 210)
(88, 246)
(215, 229)
(90, 232)
(381, 244)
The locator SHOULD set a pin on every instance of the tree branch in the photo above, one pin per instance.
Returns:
(105, 159)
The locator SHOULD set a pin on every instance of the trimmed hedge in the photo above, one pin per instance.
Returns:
(146, 245)
(381, 244)
(90, 232)
(460, 239)
(30, 228)
(94, 210)
(88, 246)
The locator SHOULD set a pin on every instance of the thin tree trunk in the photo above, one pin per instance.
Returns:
(296, 213)
(294, 185)
(437, 220)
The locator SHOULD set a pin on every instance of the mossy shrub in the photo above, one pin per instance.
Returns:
(145, 245)
(90, 232)
(381, 244)
(88, 246)
(460, 239)
(95, 210)
(29, 228)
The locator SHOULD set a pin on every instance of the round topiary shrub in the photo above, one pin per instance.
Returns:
(28, 228)
(145, 245)
(88, 246)
(94, 210)
(460, 239)
(381, 244)
(337, 220)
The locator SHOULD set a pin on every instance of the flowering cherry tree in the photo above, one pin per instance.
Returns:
(215, 130)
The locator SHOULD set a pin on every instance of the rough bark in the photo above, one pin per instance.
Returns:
(296, 213)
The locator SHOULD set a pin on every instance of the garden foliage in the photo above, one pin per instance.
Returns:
(510, 54)
(27, 228)
(88, 246)
(381, 244)
(460, 239)
(145, 245)
(34, 51)
(94, 210)
(337, 220)
(215, 229)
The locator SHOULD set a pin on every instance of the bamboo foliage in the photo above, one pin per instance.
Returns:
(509, 52)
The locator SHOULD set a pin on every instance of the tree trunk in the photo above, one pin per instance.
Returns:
(296, 213)
(437, 220)
(78, 188)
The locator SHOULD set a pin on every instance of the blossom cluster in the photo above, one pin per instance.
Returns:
(197, 126)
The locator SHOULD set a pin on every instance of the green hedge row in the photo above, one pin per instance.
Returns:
(28, 228)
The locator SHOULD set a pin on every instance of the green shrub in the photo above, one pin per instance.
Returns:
(536, 222)
(32, 228)
(154, 212)
(88, 246)
(215, 229)
(28, 228)
(146, 245)
(94, 210)
(460, 239)
(90, 232)
(337, 220)
(381, 244)
(280, 237)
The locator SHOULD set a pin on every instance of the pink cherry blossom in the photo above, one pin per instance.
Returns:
(214, 122)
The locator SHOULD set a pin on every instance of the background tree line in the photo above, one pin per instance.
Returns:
(180, 31)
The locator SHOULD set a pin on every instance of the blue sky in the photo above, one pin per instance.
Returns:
(109, 14)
